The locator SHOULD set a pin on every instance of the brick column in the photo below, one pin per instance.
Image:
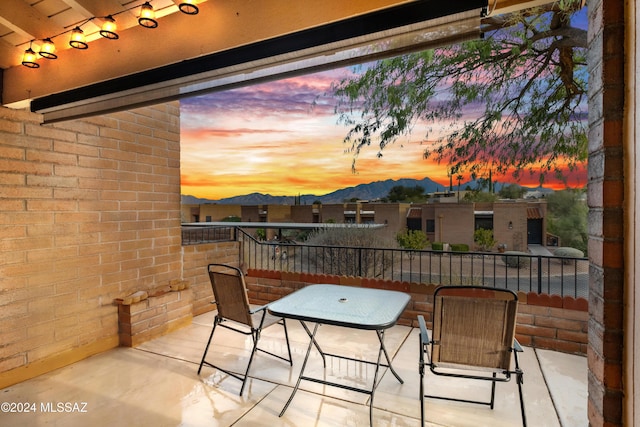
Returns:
(606, 219)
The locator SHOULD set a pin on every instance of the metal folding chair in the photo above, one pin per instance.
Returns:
(235, 313)
(473, 337)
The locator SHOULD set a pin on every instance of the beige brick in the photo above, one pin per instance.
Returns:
(80, 127)
(49, 132)
(17, 153)
(52, 205)
(11, 205)
(115, 134)
(6, 364)
(73, 244)
(42, 156)
(25, 193)
(49, 349)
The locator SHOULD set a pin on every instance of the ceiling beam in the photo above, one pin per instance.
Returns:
(223, 27)
(220, 26)
(26, 20)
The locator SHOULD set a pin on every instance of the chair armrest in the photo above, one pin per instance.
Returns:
(517, 346)
(424, 334)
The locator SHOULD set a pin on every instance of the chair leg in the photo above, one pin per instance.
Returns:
(255, 335)
(206, 349)
(421, 370)
(493, 392)
(519, 381)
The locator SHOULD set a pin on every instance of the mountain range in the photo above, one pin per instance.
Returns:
(371, 191)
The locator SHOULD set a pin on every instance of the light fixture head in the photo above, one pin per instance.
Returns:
(29, 59)
(48, 49)
(109, 28)
(147, 16)
(78, 40)
(189, 7)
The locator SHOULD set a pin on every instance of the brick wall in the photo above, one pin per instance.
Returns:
(549, 322)
(606, 63)
(195, 261)
(163, 312)
(89, 212)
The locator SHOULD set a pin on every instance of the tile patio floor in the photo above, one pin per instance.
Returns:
(156, 384)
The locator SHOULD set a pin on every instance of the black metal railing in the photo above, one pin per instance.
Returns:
(562, 276)
(192, 235)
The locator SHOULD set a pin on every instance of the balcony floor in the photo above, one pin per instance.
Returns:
(157, 384)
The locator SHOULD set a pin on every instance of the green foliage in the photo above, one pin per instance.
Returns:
(515, 259)
(479, 196)
(261, 234)
(400, 193)
(484, 239)
(511, 191)
(567, 218)
(459, 247)
(528, 74)
(412, 239)
(568, 252)
(437, 246)
(232, 218)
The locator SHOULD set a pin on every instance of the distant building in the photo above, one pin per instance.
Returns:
(515, 223)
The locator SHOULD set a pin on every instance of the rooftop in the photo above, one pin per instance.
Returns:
(156, 384)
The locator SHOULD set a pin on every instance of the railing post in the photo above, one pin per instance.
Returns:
(540, 274)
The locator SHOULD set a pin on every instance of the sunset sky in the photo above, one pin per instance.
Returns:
(272, 139)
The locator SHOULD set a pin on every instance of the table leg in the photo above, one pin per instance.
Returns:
(381, 351)
(312, 342)
(386, 355)
(375, 375)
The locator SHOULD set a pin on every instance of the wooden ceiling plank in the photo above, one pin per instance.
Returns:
(98, 8)
(8, 54)
(26, 20)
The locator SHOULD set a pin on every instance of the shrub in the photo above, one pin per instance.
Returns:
(351, 251)
(412, 239)
(459, 247)
(566, 252)
(437, 246)
(569, 252)
(515, 259)
(484, 238)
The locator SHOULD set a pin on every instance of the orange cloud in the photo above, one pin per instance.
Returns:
(281, 138)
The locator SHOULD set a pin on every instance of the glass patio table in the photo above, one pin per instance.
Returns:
(345, 306)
